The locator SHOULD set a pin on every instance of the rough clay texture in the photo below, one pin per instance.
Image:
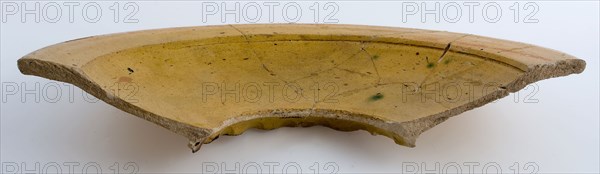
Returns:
(202, 82)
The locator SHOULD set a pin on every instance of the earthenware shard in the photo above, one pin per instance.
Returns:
(202, 82)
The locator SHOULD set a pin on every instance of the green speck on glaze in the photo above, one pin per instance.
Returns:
(430, 65)
(376, 97)
(375, 57)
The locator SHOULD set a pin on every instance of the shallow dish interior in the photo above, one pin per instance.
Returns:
(200, 82)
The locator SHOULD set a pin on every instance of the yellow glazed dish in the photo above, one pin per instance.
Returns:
(202, 82)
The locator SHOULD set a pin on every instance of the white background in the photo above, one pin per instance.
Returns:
(558, 133)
